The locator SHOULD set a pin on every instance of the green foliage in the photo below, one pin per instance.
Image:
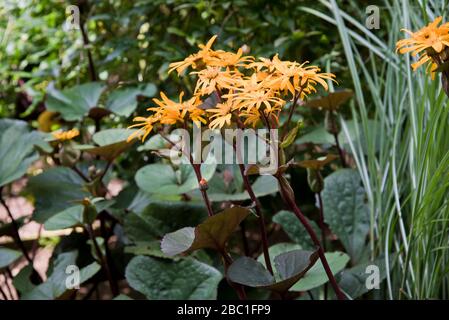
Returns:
(186, 278)
(346, 211)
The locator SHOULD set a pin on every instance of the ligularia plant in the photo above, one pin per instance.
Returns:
(237, 91)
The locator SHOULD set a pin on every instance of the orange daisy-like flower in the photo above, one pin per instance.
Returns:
(292, 76)
(146, 125)
(191, 61)
(432, 39)
(65, 135)
(211, 78)
(222, 114)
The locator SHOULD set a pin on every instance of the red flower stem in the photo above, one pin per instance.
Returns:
(323, 233)
(263, 231)
(291, 202)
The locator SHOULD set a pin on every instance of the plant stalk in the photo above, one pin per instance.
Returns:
(292, 204)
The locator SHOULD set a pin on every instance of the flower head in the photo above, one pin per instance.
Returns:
(222, 114)
(65, 135)
(432, 39)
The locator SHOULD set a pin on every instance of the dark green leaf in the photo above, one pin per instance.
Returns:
(346, 211)
(17, 149)
(317, 276)
(8, 256)
(182, 279)
(55, 286)
(294, 229)
(74, 103)
(212, 233)
(55, 190)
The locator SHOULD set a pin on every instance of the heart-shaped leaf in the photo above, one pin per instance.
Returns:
(110, 143)
(75, 102)
(17, 149)
(75, 215)
(163, 179)
(8, 256)
(56, 284)
(180, 279)
(290, 266)
(123, 102)
(346, 211)
(212, 233)
(317, 276)
(353, 281)
(55, 190)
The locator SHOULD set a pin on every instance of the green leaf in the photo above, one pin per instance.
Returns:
(8, 256)
(163, 179)
(290, 267)
(67, 218)
(353, 281)
(147, 90)
(276, 250)
(294, 229)
(17, 149)
(123, 101)
(22, 281)
(55, 190)
(55, 286)
(319, 135)
(147, 248)
(111, 143)
(346, 211)
(181, 280)
(264, 185)
(161, 217)
(249, 272)
(75, 102)
(212, 233)
(316, 276)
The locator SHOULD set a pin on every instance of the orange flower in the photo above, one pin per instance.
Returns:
(222, 114)
(204, 54)
(65, 135)
(432, 39)
(211, 78)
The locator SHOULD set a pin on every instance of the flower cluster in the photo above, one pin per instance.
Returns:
(247, 91)
(430, 44)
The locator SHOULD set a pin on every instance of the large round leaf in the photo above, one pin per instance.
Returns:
(290, 267)
(212, 233)
(17, 150)
(317, 276)
(164, 279)
(75, 102)
(55, 286)
(8, 256)
(163, 179)
(110, 143)
(55, 190)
